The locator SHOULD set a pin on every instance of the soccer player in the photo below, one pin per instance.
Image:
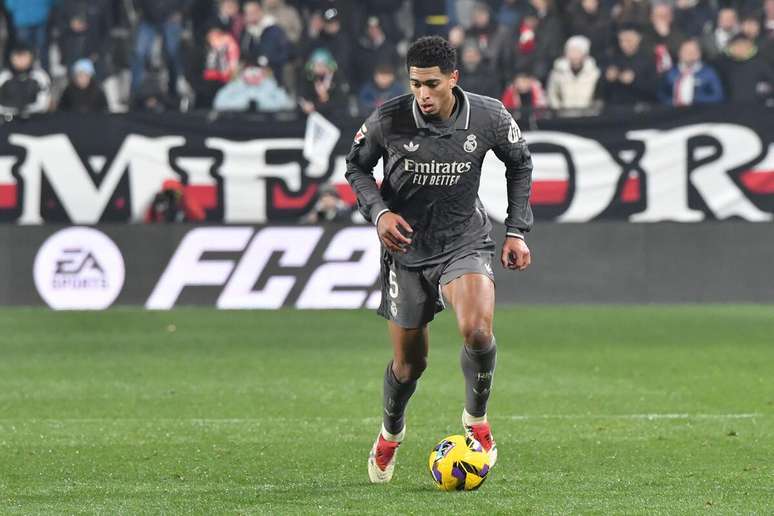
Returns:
(435, 232)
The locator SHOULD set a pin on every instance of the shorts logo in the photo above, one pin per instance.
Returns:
(514, 133)
(488, 269)
(470, 143)
(393, 309)
(410, 146)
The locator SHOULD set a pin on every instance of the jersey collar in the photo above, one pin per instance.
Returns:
(463, 116)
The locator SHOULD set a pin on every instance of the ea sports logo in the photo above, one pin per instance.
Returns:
(79, 268)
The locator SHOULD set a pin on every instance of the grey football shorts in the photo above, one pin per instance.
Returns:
(411, 296)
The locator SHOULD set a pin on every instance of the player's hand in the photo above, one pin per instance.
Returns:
(394, 232)
(516, 255)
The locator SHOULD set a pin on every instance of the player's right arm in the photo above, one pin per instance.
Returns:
(366, 150)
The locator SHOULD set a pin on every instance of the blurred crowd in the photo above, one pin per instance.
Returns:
(344, 57)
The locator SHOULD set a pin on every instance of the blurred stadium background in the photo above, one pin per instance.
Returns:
(162, 162)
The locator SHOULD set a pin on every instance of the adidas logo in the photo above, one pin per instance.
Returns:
(411, 146)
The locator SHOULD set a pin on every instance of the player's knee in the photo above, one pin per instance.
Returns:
(477, 336)
(410, 371)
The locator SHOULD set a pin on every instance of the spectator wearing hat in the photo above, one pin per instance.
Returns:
(337, 42)
(382, 87)
(691, 81)
(253, 89)
(84, 28)
(321, 90)
(328, 208)
(24, 88)
(83, 94)
(263, 37)
(163, 17)
(630, 78)
(30, 23)
(746, 76)
(573, 80)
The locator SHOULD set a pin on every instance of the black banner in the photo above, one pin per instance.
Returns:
(687, 165)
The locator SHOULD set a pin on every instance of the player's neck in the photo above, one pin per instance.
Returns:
(446, 112)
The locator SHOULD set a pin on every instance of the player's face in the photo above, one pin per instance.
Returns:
(433, 89)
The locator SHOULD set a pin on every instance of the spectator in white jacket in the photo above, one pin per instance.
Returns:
(24, 88)
(572, 82)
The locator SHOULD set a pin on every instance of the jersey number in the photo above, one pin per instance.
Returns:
(393, 285)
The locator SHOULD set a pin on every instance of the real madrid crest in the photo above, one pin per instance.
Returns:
(470, 143)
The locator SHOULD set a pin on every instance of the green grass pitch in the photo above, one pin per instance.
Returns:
(596, 410)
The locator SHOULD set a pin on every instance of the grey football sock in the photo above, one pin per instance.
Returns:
(478, 366)
(396, 397)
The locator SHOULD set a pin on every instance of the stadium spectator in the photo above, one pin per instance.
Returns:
(587, 18)
(747, 77)
(263, 37)
(253, 89)
(509, 14)
(164, 17)
(630, 78)
(691, 81)
(30, 24)
(173, 204)
(431, 17)
(457, 38)
(151, 96)
(336, 41)
(84, 27)
(574, 77)
(726, 27)
(373, 49)
(662, 37)
(24, 88)
(287, 17)
(216, 64)
(525, 92)
(477, 75)
(487, 34)
(750, 27)
(382, 87)
(322, 90)
(767, 36)
(693, 17)
(538, 39)
(229, 16)
(328, 208)
(83, 94)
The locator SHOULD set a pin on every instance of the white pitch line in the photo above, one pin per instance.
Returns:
(270, 419)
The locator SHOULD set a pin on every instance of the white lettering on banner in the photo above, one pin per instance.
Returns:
(244, 171)
(666, 165)
(198, 170)
(296, 245)
(320, 291)
(187, 267)
(145, 159)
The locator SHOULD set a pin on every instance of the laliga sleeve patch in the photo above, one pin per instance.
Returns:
(514, 133)
(360, 134)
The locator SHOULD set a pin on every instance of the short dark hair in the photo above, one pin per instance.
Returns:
(430, 51)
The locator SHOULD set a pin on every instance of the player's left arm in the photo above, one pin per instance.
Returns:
(511, 148)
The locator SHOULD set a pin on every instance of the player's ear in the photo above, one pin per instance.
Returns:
(454, 77)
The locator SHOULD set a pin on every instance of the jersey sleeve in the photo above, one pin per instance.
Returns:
(511, 148)
(367, 148)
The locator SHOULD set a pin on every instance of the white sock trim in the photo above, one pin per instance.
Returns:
(396, 438)
(471, 420)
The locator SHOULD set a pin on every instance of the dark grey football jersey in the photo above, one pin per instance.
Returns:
(432, 173)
